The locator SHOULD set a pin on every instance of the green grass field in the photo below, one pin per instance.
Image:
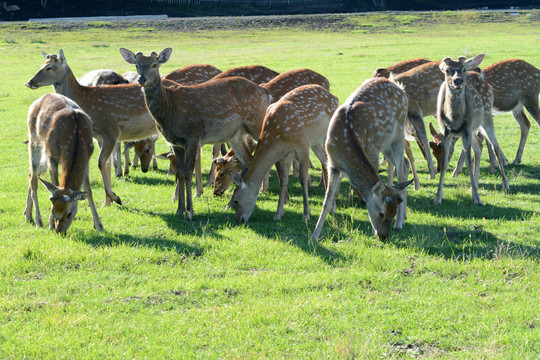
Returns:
(458, 281)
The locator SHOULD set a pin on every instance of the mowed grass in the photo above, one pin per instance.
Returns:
(458, 281)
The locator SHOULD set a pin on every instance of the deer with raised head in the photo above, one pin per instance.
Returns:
(193, 74)
(464, 106)
(60, 133)
(118, 112)
(278, 86)
(398, 68)
(371, 121)
(293, 125)
(189, 116)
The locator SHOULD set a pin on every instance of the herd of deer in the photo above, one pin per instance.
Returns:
(269, 118)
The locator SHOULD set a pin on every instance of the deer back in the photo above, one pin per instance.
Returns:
(102, 77)
(512, 80)
(257, 73)
(193, 74)
(398, 68)
(287, 81)
(422, 85)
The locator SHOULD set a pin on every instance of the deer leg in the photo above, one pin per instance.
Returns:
(53, 170)
(198, 174)
(477, 147)
(467, 139)
(104, 165)
(318, 150)
(334, 179)
(212, 176)
(191, 152)
(446, 143)
(417, 121)
(524, 125)
(32, 199)
(95, 217)
(283, 173)
(394, 155)
(179, 154)
(303, 168)
(410, 155)
(491, 139)
(117, 159)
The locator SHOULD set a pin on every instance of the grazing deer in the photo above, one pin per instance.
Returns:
(464, 107)
(278, 86)
(293, 125)
(118, 112)
(60, 133)
(102, 77)
(370, 121)
(189, 116)
(398, 68)
(193, 74)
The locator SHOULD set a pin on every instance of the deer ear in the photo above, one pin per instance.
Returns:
(79, 195)
(61, 56)
(128, 55)
(51, 187)
(237, 179)
(164, 55)
(474, 62)
(402, 185)
(432, 130)
(44, 54)
(379, 188)
(217, 161)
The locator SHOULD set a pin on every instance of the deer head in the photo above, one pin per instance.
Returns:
(64, 205)
(243, 200)
(144, 149)
(51, 72)
(147, 66)
(224, 166)
(383, 207)
(436, 145)
(455, 71)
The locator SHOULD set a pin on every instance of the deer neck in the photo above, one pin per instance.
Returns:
(455, 103)
(262, 161)
(156, 100)
(68, 85)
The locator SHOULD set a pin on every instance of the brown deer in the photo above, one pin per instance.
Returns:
(293, 125)
(278, 86)
(193, 74)
(60, 133)
(370, 121)
(464, 107)
(189, 116)
(398, 68)
(118, 112)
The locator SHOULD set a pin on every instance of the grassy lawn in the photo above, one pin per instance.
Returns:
(458, 281)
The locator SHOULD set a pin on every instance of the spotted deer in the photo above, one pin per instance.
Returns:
(464, 106)
(293, 125)
(118, 112)
(60, 133)
(398, 68)
(370, 121)
(189, 116)
(278, 87)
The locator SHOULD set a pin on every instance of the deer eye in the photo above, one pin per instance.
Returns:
(381, 214)
(154, 65)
